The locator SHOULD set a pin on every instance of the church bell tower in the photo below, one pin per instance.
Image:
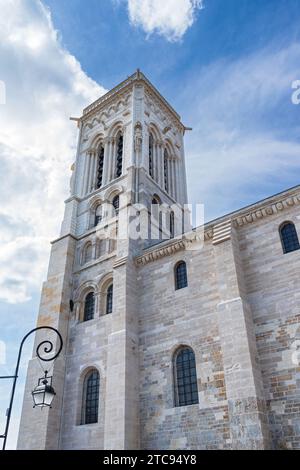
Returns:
(130, 154)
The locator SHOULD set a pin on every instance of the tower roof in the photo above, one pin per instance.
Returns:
(137, 76)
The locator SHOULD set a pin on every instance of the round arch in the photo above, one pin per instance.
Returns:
(115, 128)
(154, 130)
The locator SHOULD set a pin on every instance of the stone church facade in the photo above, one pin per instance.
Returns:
(168, 343)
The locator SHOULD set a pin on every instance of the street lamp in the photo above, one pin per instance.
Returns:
(43, 393)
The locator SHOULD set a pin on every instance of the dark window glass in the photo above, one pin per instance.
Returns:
(89, 307)
(88, 251)
(91, 396)
(180, 276)
(186, 389)
(289, 237)
(119, 156)
(98, 214)
(151, 155)
(166, 177)
(172, 224)
(100, 167)
(109, 299)
(116, 204)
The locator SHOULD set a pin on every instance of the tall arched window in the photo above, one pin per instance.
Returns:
(87, 253)
(101, 247)
(156, 218)
(180, 275)
(166, 175)
(90, 402)
(112, 245)
(109, 299)
(89, 307)
(289, 237)
(119, 160)
(100, 166)
(185, 377)
(98, 214)
(151, 155)
(116, 204)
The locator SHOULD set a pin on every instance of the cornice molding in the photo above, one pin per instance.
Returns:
(267, 210)
(67, 235)
(120, 262)
(160, 252)
(171, 247)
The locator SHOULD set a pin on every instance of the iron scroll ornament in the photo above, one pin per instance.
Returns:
(48, 347)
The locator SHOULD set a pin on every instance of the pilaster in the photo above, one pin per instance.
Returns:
(244, 387)
(122, 384)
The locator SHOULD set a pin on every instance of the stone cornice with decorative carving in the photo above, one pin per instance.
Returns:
(160, 252)
(267, 209)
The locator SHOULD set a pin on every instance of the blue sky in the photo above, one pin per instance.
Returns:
(227, 67)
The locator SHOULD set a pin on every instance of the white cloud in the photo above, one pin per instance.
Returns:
(169, 18)
(45, 85)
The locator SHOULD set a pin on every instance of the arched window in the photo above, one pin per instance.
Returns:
(151, 155)
(100, 166)
(156, 218)
(289, 237)
(87, 253)
(185, 377)
(90, 402)
(112, 245)
(180, 275)
(109, 299)
(98, 214)
(155, 200)
(166, 175)
(89, 307)
(116, 204)
(119, 160)
(101, 247)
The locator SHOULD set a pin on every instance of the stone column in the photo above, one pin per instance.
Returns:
(175, 177)
(84, 176)
(93, 171)
(86, 173)
(160, 165)
(244, 387)
(110, 149)
(106, 162)
(178, 181)
(154, 165)
(169, 176)
(90, 172)
(172, 178)
(112, 158)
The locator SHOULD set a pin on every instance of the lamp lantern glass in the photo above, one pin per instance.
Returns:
(43, 393)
